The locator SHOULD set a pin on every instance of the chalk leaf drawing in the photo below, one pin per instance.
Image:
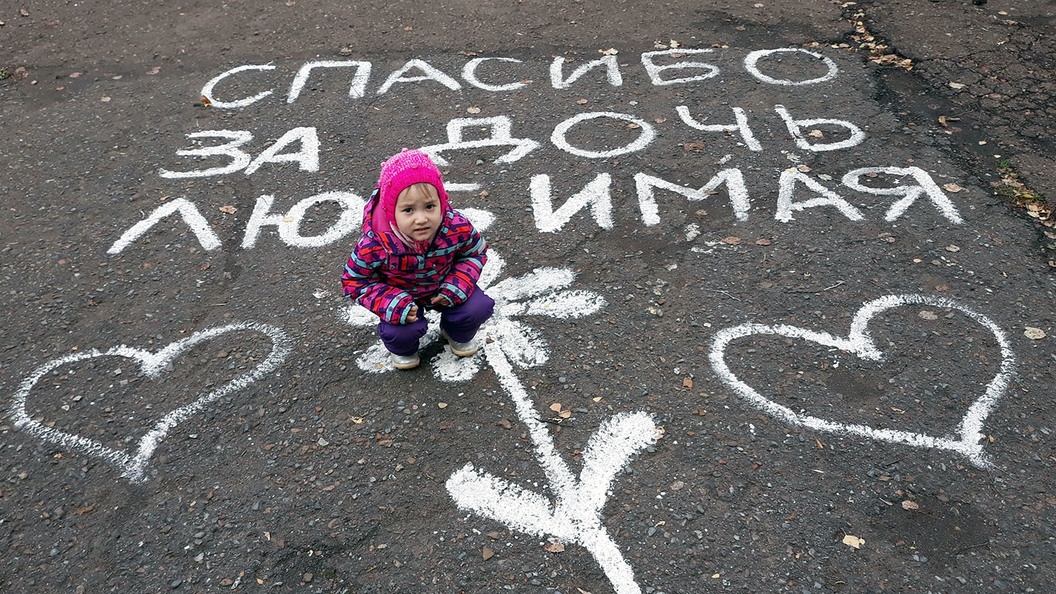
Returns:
(540, 292)
(134, 466)
(859, 342)
(575, 514)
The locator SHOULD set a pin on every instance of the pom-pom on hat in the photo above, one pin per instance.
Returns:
(405, 168)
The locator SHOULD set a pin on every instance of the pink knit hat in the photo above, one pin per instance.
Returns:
(405, 168)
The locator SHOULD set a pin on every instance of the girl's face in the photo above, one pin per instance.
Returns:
(418, 214)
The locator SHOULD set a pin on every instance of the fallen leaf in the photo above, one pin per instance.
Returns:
(105, 99)
(556, 407)
(853, 541)
(952, 248)
(1033, 333)
(565, 414)
(942, 121)
(154, 70)
(609, 52)
(23, 12)
(909, 505)
(227, 209)
(441, 405)
(928, 315)
(408, 28)
(505, 424)
(357, 420)
(732, 240)
(687, 383)
(803, 168)
(816, 134)
(660, 120)
(633, 126)
(581, 101)
(952, 188)
(473, 109)
(762, 242)
(487, 553)
(956, 85)
(84, 510)
(205, 101)
(596, 399)
(695, 147)
(555, 547)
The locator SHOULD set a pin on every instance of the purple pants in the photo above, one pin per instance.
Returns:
(460, 322)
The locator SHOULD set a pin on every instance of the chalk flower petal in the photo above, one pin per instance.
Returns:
(540, 280)
(566, 304)
(450, 367)
(521, 344)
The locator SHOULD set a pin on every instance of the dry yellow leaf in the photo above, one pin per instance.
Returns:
(853, 541)
(556, 407)
(1033, 333)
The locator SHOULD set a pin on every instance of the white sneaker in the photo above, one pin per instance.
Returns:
(405, 361)
(462, 349)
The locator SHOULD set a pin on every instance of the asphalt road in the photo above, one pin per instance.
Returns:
(774, 285)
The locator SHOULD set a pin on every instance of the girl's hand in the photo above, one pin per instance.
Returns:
(440, 300)
(412, 316)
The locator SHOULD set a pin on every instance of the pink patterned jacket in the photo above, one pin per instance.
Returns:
(385, 277)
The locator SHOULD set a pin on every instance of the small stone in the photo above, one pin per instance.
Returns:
(307, 578)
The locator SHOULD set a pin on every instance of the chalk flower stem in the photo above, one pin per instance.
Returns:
(575, 515)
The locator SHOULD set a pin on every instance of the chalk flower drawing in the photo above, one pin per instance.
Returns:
(133, 466)
(575, 514)
(859, 342)
(541, 292)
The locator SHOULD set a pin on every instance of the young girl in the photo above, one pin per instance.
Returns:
(414, 254)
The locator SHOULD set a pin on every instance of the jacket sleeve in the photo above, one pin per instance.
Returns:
(470, 257)
(362, 282)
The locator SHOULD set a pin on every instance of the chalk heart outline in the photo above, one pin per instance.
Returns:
(151, 364)
(859, 342)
